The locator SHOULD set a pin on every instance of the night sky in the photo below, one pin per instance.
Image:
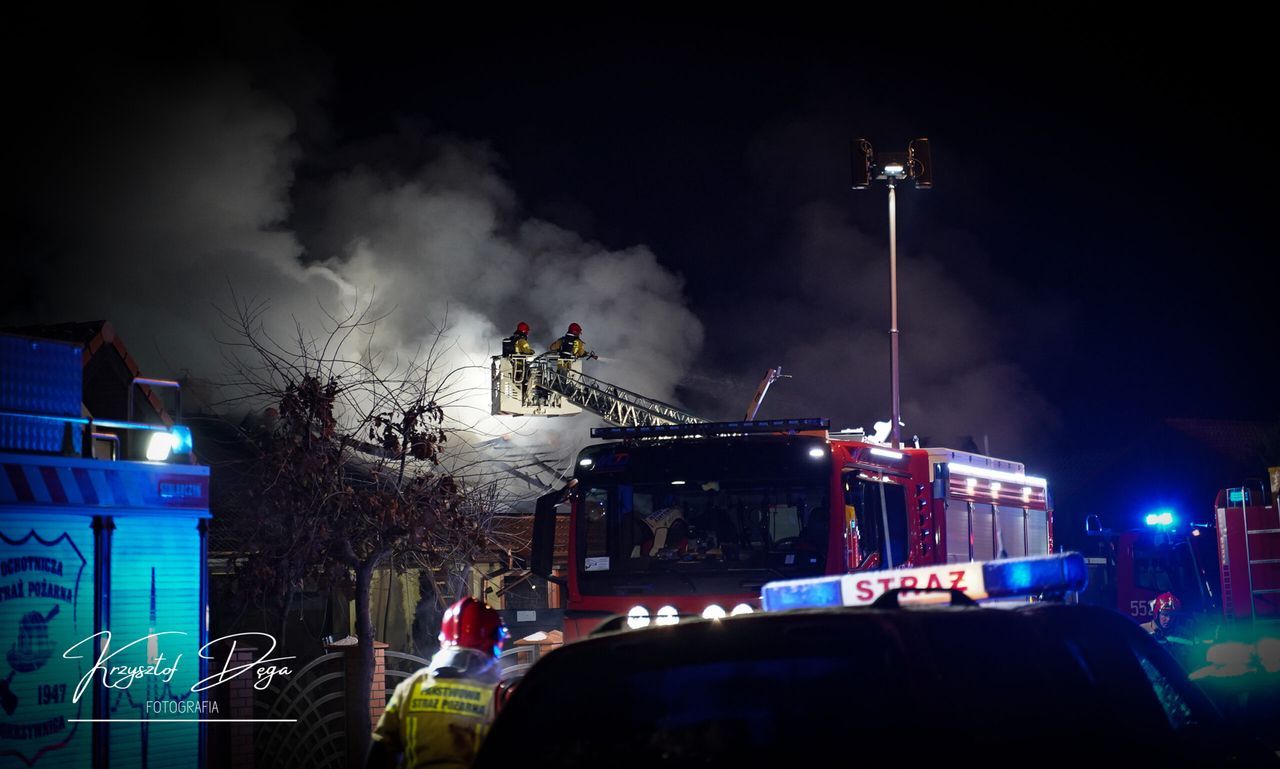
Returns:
(1094, 260)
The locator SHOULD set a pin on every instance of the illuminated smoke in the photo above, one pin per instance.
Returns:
(180, 196)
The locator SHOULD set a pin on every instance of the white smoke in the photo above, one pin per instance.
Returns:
(165, 195)
(183, 195)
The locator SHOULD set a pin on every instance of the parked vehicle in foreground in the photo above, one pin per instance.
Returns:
(891, 682)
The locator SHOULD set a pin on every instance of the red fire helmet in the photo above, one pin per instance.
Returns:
(575, 329)
(1165, 601)
(522, 327)
(473, 625)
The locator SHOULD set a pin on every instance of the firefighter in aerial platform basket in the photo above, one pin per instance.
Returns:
(570, 347)
(438, 716)
(518, 342)
(517, 350)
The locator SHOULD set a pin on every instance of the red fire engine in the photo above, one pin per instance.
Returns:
(1248, 554)
(675, 520)
(1233, 576)
(1129, 569)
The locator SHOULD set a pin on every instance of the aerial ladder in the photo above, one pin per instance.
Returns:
(547, 386)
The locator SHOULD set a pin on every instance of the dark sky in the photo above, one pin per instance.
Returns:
(1095, 256)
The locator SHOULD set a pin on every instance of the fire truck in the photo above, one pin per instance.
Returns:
(1226, 571)
(673, 516)
(1248, 531)
(671, 521)
(1129, 569)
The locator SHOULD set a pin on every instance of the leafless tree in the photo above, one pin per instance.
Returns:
(347, 475)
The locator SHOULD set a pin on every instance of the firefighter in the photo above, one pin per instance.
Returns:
(570, 347)
(518, 342)
(517, 350)
(1168, 626)
(438, 716)
(665, 533)
(1164, 608)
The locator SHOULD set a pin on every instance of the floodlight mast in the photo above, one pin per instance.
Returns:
(915, 164)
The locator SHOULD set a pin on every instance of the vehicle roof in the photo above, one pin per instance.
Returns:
(899, 684)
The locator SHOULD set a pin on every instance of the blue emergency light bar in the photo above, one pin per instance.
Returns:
(789, 426)
(176, 440)
(1008, 578)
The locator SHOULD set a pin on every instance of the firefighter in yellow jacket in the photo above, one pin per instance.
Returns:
(570, 347)
(518, 342)
(438, 716)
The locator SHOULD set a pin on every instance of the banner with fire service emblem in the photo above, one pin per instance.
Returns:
(46, 604)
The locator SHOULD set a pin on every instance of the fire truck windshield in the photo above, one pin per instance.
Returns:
(701, 517)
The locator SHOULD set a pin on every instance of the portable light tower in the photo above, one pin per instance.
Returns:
(892, 167)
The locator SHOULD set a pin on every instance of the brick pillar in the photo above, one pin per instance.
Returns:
(351, 668)
(240, 705)
(378, 691)
(553, 590)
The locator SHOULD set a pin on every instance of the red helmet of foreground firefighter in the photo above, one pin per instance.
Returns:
(470, 624)
(1163, 609)
(439, 715)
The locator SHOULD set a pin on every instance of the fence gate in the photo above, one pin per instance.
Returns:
(316, 697)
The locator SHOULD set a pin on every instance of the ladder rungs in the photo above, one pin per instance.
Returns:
(1261, 591)
(1265, 560)
(1262, 531)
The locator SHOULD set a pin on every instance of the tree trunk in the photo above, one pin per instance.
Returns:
(358, 713)
(284, 618)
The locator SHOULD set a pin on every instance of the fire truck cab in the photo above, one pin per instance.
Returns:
(1228, 571)
(1129, 569)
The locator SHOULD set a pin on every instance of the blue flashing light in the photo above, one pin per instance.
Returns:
(1008, 578)
(802, 594)
(182, 442)
(176, 442)
(1013, 578)
(1152, 519)
(1162, 518)
(1064, 572)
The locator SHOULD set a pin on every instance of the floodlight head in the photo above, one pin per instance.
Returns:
(862, 158)
(915, 164)
(920, 163)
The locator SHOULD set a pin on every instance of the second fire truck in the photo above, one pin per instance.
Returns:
(1227, 571)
